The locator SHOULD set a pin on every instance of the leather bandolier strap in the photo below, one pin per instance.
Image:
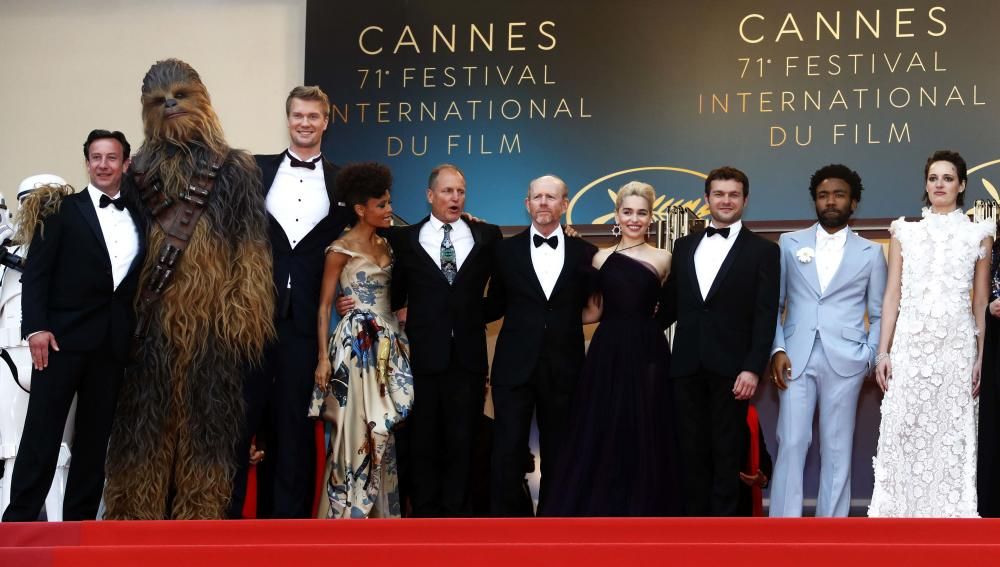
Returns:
(178, 219)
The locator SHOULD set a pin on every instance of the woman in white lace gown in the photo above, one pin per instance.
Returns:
(930, 353)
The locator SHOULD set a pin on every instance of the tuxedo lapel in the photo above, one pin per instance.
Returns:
(431, 264)
(330, 178)
(741, 239)
(86, 208)
(522, 254)
(269, 170)
(571, 260)
(807, 269)
(692, 269)
(477, 239)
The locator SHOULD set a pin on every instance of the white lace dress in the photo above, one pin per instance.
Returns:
(926, 460)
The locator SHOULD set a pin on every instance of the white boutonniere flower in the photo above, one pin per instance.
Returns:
(805, 255)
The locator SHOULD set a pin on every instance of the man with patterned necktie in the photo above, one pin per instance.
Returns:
(442, 266)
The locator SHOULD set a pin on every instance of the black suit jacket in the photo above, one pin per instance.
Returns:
(731, 330)
(438, 312)
(68, 287)
(533, 322)
(305, 262)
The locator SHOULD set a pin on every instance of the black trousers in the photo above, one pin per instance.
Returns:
(278, 394)
(713, 435)
(513, 408)
(442, 430)
(95, 378)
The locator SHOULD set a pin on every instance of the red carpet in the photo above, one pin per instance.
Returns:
(732, 542)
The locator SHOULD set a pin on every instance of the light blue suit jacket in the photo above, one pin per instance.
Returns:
(836, 315)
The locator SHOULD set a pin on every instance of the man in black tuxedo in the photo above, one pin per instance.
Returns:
(79, 283)
(442, 266)
(305, 215)
(539, 287)
(723, 294)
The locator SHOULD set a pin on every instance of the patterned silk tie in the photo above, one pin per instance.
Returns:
(449, 263)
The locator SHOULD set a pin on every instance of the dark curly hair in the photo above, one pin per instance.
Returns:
(837, 171)
(953, 158)
(359, 182)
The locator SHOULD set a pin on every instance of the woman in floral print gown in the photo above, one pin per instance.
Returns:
(366, 365)
(930, 353)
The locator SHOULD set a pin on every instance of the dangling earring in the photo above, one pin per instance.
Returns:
(616, 231)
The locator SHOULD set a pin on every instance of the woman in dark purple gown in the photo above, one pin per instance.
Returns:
(619, 459)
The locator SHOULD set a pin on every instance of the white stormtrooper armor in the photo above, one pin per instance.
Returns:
(13, 394)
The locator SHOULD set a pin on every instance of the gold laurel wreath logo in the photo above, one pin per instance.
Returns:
(660, 206)
(987, 184)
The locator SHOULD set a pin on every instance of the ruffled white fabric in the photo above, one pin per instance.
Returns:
(926, 460)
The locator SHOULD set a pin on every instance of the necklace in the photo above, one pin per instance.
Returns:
(627, 247)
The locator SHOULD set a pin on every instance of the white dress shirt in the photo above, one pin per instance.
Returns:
(548, 261)
(431, 236)
(711, 252)
(829, 253)
(120, 234)
(298, 199)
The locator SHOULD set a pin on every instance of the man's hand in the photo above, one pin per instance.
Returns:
(746, 385)
(995, 308)
(570, 232)
(758, 479)
(39, 344)
(343, 304)
(467, 216)
(256, 455)
(781, 369)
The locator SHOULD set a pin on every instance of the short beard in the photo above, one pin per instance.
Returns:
(839, 221)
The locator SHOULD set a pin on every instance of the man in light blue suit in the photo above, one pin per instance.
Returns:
(830, 277)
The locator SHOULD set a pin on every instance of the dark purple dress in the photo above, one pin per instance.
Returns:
(620, 455)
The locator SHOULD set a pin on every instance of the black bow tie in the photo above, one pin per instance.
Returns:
(117, 203)
(552, 241)
(296, 162)
(723, 232)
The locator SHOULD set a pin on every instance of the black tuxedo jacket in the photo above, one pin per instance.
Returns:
(68, 288)
(305, 262)
(438, 312)
(533, 322)
(731, 330)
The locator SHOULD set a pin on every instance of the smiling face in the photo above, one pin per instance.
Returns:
(376, 212)
(105, 164)
(726, 201)
(307, 120)
(943, 186)
(634, 217)
(447, 196)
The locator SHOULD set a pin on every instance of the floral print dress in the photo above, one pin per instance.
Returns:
(373, 387)
(926, 460)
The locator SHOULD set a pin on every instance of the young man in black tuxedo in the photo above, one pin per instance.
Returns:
(305, 215)
(723, 294)
(539, 287)
(442, 266)
(79, 283)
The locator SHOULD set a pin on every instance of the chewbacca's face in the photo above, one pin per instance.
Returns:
(175, 104)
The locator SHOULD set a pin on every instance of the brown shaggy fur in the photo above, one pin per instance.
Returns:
(35, 207)
(181, 408)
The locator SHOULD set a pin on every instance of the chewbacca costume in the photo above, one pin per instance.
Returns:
(171, 453)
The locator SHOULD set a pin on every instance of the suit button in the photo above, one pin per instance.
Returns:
(820, 302)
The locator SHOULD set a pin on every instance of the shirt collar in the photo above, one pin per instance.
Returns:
(558, 233)
(734, 228)
(95, 195)
(300, 158)
(437, 223)
(823, 236)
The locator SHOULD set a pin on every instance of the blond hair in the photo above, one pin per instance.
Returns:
(308, 93)
(638, 189)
